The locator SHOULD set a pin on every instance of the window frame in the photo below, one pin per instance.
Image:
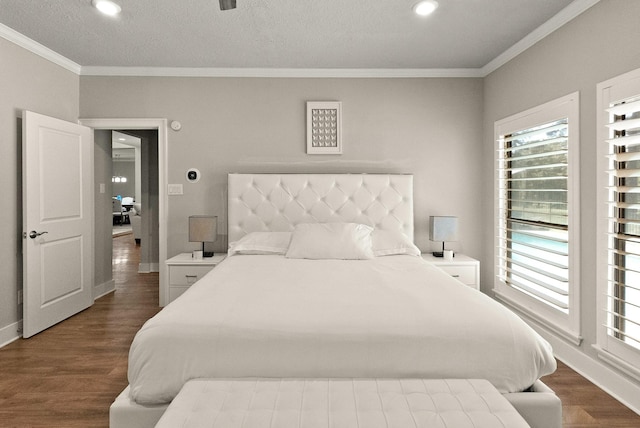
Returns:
(610, 349)
(567, 325)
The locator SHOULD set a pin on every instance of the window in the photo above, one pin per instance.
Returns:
(619, 220)
(536, 197)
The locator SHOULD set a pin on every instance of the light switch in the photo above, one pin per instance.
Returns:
(175, 189)
(102, 188)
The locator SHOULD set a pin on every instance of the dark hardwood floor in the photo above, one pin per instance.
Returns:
(68, 375)
(585, 405)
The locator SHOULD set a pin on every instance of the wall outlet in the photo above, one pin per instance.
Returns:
(19, 297)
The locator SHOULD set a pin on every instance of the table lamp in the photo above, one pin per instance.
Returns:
(203, 228)
(443, 228)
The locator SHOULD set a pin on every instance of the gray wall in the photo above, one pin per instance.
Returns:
(125, 168)
(149, 237)
(103, 272)
(429, 127)
(574, 58)
(29, 82)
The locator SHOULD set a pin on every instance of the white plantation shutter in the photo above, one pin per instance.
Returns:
(536, 211)
(622, 146)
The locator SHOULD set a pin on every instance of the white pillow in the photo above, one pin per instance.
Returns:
(345, 241)
(392, 242)
(258, 243)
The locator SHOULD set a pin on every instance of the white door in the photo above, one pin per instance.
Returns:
(57, 205)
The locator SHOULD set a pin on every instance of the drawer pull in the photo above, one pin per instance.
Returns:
(191, 276)
(191, 279)
(456, 276)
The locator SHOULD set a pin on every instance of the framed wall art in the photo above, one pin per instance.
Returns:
(324, 127)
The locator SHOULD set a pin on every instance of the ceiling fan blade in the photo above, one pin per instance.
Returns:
(227, 4)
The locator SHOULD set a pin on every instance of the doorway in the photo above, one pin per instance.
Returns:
(146, 128)
(126, 185)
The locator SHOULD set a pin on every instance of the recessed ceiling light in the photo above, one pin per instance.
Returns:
(425, 7)
(107, 7)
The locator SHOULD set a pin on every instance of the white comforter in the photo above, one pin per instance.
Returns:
(389, 317)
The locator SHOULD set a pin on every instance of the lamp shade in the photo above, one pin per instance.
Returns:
(203, 228)
(443, 228)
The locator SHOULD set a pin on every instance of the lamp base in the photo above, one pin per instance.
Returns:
(208, 254)
(437, 254)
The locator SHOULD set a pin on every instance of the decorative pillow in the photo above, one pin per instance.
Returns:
(392, 242)
(137, 207)
(345, 241)
(257, 243)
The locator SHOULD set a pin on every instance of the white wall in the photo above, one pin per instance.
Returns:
(429, 127)
(599, 44)
(29, 82)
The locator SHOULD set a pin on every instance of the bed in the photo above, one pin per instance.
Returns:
(323, 281)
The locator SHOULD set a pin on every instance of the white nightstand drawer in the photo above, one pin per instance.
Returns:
(462, 267)
(465, 274)
(184, 270)
(187, 275)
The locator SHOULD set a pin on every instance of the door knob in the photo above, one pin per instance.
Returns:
(33, 234)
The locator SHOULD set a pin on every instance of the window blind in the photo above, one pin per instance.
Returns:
(533, 211)
(623, 238)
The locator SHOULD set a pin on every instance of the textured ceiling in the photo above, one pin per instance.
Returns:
(366, 34)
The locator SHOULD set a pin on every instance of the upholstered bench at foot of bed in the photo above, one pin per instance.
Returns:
(297, 403)
(539, 406)
(125, 413)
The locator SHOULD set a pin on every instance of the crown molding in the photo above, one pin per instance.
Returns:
(38, 49)
(564, 16)
(280, 72)
(561, 18)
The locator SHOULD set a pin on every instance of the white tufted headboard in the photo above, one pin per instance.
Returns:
(277, 202)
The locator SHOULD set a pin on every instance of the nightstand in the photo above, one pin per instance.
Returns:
(463, 268)
(184, 271)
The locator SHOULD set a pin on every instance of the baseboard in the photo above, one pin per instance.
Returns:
(104, 289)
(10, 333)
(600, 374)
(148, 267)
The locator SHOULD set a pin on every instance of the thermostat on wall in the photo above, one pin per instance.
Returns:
(193, 175)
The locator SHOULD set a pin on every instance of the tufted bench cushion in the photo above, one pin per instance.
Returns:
(340, 403)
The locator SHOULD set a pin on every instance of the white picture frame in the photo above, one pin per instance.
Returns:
(324, 127)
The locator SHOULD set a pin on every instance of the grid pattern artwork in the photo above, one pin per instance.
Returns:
(324, 128)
